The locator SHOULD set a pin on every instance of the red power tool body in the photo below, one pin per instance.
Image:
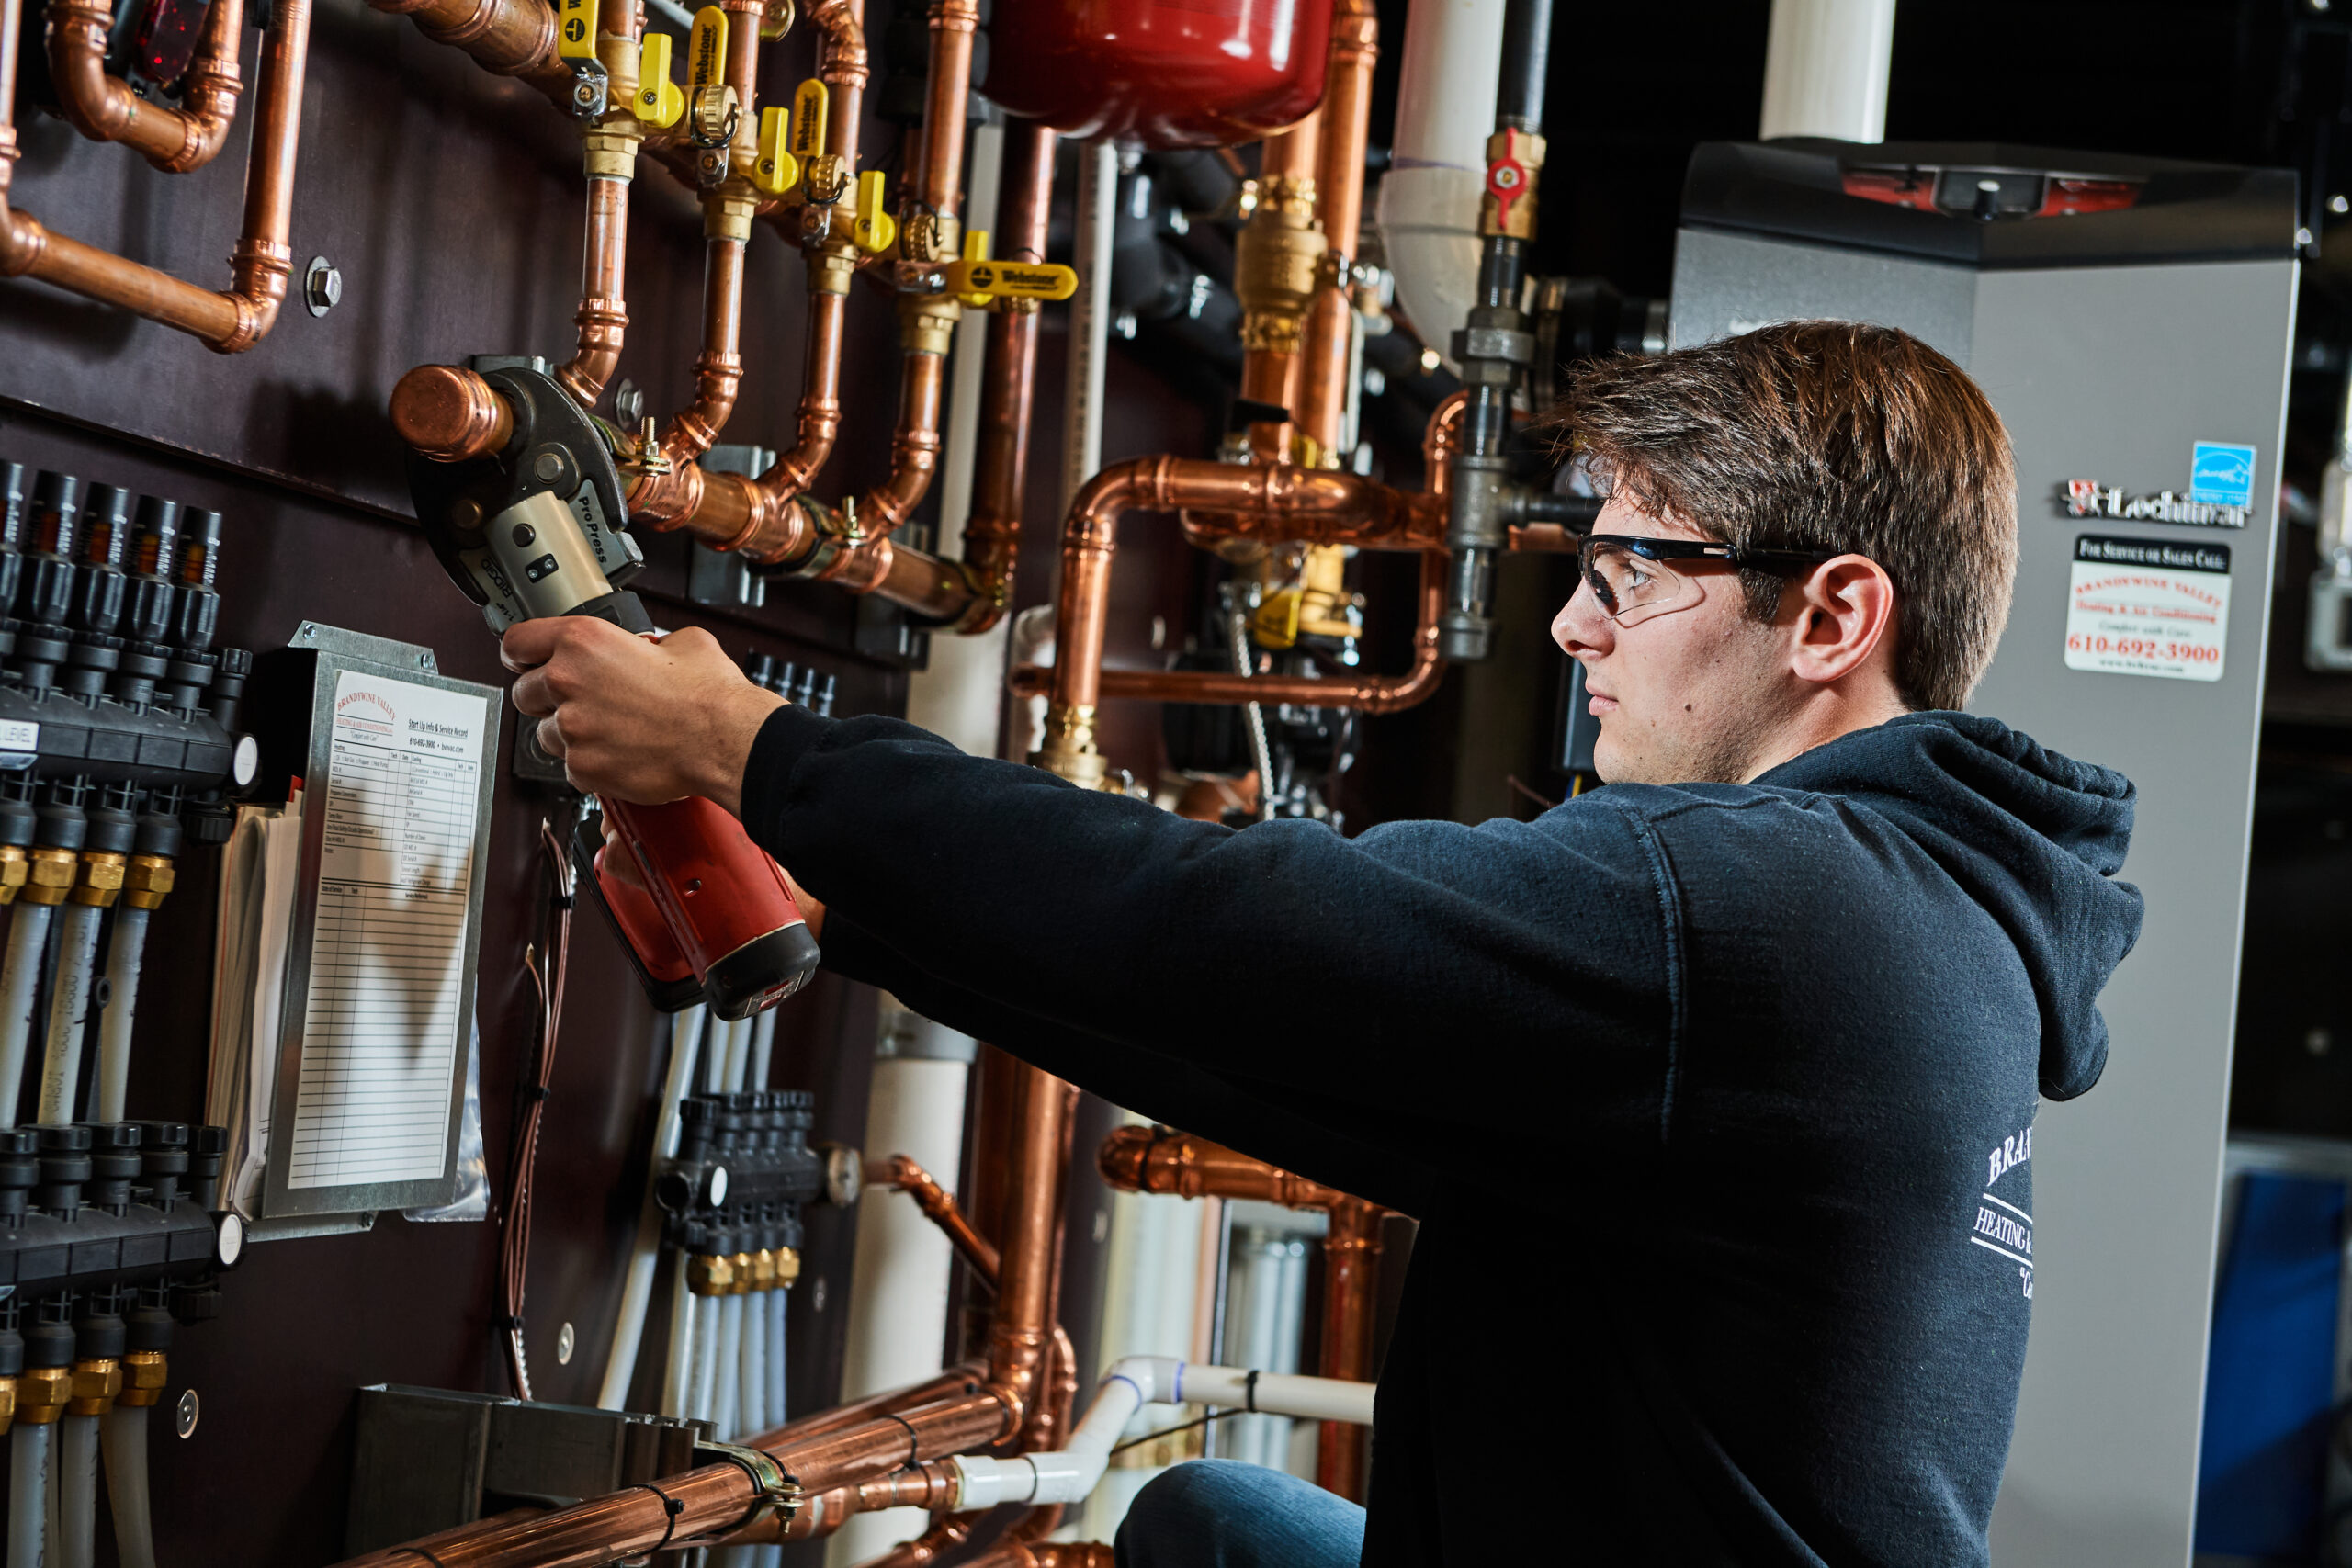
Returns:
(535, 530)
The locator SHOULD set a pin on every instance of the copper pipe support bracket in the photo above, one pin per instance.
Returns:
(773, 1491)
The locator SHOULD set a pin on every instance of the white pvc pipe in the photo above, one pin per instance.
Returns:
(710, 1331)
(77, 1544)
(124, 1436)
(752, 1417)
(762, 1049)
(123, 950)
(1090, 315)
(1068, 1474)
(1825, 65)
(678, 1376)
(726, 1368)
(645, 1252)
(20, 987)
(69, 1012)
(28, 1491)
(1428, 208)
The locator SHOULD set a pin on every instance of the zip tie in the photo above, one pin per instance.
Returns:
(1250, 1391)
(670, 1507)
(914, 1442)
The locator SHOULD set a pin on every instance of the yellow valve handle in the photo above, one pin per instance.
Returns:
(575, 30)
(978, 281)
(775, 170)
(707, 50)
(976, 249)
(874, 229)
(811, 104)
(658, 102)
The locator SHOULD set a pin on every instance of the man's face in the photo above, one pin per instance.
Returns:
(1687, 697)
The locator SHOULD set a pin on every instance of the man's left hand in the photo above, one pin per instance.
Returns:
(635, 718)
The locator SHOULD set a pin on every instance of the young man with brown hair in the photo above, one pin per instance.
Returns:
(1712, 1089)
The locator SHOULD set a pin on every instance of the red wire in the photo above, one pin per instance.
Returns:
(514, 1251)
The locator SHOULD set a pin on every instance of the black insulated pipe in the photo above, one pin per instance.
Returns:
(1527, 57)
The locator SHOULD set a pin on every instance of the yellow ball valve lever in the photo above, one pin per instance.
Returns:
(874, 230)
(575, 30)
(775, 170)
(809, 107)
(997, 281)
(976, 249)
(658, 102)
(707, 50)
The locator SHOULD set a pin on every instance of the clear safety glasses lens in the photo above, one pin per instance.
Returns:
(1631, 587)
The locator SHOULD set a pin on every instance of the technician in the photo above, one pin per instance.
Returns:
(1713, 1089)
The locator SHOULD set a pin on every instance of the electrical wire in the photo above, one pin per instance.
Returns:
(548, 977)
(1172, 1431)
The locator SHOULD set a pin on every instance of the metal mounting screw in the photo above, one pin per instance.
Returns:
(563, 1343)
(183, 1418)
(628, 402)
(321, 286)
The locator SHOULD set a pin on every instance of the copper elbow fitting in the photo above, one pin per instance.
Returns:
(451, 414)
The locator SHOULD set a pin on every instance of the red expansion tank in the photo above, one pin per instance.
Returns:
(1159, 73)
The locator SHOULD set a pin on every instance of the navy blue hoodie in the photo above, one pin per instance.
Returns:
(1715, 1103)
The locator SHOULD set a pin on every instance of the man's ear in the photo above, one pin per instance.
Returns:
(1845, 618)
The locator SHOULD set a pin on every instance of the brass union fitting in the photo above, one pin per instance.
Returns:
(788, 1264)
(763, 1269)
(1069, 751)
(711, 1274)
(833, 265)
(50, 875)
(146, 880)
(42, 1393)
(13, 867)
(742, 1264)
(7, 1404)
(144, 1373)
(608, 149)
(727, 212)
(94, 1385)
(101, 879)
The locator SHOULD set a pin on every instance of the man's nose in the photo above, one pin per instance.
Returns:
(1580, 627)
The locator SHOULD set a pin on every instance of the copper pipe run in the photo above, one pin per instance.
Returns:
(1157, 1159)
(105, 108)
(938, 1205)
(964, 1379)
(914, 446)
(229, 321)
(927, 1550)
(609, 155)
(940, 172)
(1008, 380)
(1043, 1554)
(505, 38)
(1019, 1333)
(1346, 119)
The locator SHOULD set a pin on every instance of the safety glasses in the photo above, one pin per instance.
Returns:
(1632, 582)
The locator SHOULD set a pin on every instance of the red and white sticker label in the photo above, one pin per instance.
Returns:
(2148, 608)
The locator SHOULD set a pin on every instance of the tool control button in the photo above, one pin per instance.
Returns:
(524, 534)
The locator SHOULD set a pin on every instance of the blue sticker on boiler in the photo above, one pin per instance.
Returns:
(2222, 474)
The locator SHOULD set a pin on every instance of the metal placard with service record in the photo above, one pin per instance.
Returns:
(379, 977)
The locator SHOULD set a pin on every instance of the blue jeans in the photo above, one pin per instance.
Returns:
(1219, 1513)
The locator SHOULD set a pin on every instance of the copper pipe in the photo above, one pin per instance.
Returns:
(1008, 380)
(938, 1205)
(105, 108)
(1364, 693)
(1020, 1330)
(1043, 1554)
(842, 65)
(1159, 1159)
(928, 1548)
(603, 316)
(964, 1379)
(914, 446)
(451, 414)
(230, 320)
(939, 173)
(1346, 118)
(1440, 440)
(1263, 276)
(819, 420)
(1351, 1277)
(505, 38)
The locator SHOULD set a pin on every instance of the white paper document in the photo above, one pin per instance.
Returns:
(382, 1031)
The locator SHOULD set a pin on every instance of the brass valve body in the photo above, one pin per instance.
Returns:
(94, 1385)
(1068, 750)
(144, 1373)
(50, 875)
(1276, 258)
(101, 880)
(146, 880)
(42, 1393)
